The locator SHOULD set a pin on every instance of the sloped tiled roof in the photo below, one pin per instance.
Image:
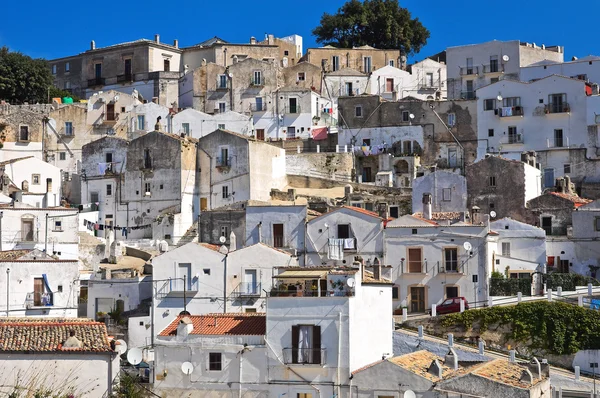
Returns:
(12, 254)
(14, 160)
(48, 334)
(419, 363)
(242, 324)
(410, 221)
(505, 372)
(577, 201)
(441, 215)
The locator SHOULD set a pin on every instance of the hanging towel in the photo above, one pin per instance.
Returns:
(124, 232)
(349, 244)
(85, 223)
(96, 226)
(102, 168)
(336, 249)
(507, 111)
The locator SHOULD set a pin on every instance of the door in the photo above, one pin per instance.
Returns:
(277, 235)
(451, 291)
(293, 102)
(470, 94)
(260, 134)
(259, 104)
(414, 260)
(547, 225)
(548, 178)
(348, 89)
(394, 211)
(110, 111)
(27, 230)
(452, 158)
(291, 133)
(417, 299)
(38, 291)
(128, 68)
(203, 204)
(367, 174)
(389, 85)
(250, 281)
(98, 71)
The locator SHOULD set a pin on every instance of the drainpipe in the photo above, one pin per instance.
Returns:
(46, 236)
(7, 291)
(1, 215)
(339, 359)
(225, 284)
(240, 383)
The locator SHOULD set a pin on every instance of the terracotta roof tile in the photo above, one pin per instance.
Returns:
(577, 201)
(48, 334)
(210, 246)
(505, 372)
(12, 254)
(441, 215)
(419, 363)
(361, 210)
(222, 324)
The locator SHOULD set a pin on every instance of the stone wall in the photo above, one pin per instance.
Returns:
(334, 166)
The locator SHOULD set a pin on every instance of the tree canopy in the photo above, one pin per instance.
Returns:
(382, 24)
(23, 79)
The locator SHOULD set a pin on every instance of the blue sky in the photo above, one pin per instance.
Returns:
(51, 31)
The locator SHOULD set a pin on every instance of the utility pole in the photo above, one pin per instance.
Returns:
(46, 236)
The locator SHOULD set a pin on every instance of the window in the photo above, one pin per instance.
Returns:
(389, 85)
(24, 133)
(506, 249)
(206, 271)
(492, 181)
(110, 112)
(278, 240)
(108, 189)
(94, 197)
(451, 291)
(493, 63)
(451, 119)
(306, 344)
(108, 157)
(395, 292)
(161, 186)
(394, 211)
(224, 158)
(414, 231)
(405, 116)
(429, 79)
(446, 194)
(215, 361)
(221, 126)
(391, 62)
(469, 66)
(367, 64)
(141, 122)
(98, 71)
(511, 102)
(301, 76)
(286, 53)
(490, 132)
(257, 81)
(548, 177)
(167, 65)
(348, 89)
(597, 223)
(225, 231)
(358, 111)
(259, 104)
(567, 168)
(147, 188)
(343, 231)
(67, 66)
(222, 81)
(335, 63)
(69, 128)
(248, 310)
(54, 69)
(494, 80)
(225, 191)
(27, 229)
(303, 395)
(57, 225)
(367, 174)
(185, 128)
(35, 179)
(406, 149)
(451, 259)
(547, 225)
(62, 156)
(414, 260)
(67, 85)
(222, 106)
(489, 104)
(513, 137)
(558, 138)
(147, 159)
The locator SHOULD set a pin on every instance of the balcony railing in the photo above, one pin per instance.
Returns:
(304, 356)
(258, 107)
(224, 161)
(469, 70)
(493, 68)
(555, 231)
(428, 85)
(291, 291)
(293, 109)
(561, 107)
(256, 82)
(278, 241)
(468, 95)
(97, 81)
(178, 287)
(247, 289)
(34, 299)
(508, 111)
(515, 139)
(126, 78)
(111, 118)
(65, 133)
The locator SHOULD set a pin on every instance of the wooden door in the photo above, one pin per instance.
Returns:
(260, 134)
(414, 260)
(38, 291)
(203, 204)
(277, 235)
(110, 111)
(417, 299)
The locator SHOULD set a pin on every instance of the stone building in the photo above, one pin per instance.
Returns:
(364, 59)
(22, 130)
(503, 186)
(304, 75)
(448, 191)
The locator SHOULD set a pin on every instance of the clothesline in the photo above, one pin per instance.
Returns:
(368, 150)
(94, 226)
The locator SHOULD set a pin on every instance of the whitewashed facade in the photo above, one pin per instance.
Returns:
(197, 124)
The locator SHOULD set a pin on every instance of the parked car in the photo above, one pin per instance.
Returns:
(451, 305)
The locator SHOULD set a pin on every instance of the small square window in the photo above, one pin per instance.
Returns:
(161, 186)
(35, 179)
(286, 53)
(206, 271)
(221, 126)
(414, 231)
(358, 111)
(108, 189)
(491, 205)
(141, 323)
(301, 76)
(62, 156)
(58, 225)
(215, 361)
(490, 132)
(567, 168)
(60, 288)
(541, 101)
(489, 104)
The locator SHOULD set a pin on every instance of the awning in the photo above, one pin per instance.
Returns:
(319, 133)
(302, 274)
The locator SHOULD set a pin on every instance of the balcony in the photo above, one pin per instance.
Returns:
(67, 133)
(258, 107)
(224, 162)
(560, 107)
(429, 85)
(126, 78)
(467, 95)
(97, 81)
(304, 356)
(510, 111)
(110, 118)
(33, 300)
(293, 109)
(515, 139)
(493, 68)
(257, 82)
(555, 231)
(469, 70)
(177, 288)
(247, 289)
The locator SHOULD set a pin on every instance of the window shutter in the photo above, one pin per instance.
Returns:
(295, 342)
(317, 344)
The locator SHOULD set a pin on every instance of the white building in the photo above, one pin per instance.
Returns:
(390, 83)
(280, 226)
(38, 285)
(109, 112)
(549, 116)
(342, 83)
(143, 117)
(448, 191)
(585, 68)
(299, 112)
(339, 236)
(429, 81)
(197, 124)
(39, 181)
(33, 356)
(476, 65)
(248, 273)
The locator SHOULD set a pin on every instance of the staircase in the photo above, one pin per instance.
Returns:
(191, 235)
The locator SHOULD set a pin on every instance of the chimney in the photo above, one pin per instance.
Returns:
(451, 359)
(232, 243)
(92, 45)
(271, 40)
(535, 368)
(48, 185)
(157, 38)
(435, 369)
(427, 206)
(234, 59)
(475, 215)
(252, 40)
(377, 272)
(176, 43)
(184, 328)
(526, 376)
(568, 186)
(25, 186)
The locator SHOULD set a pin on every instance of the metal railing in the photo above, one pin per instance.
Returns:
(468, 95)
(555, 231)
(427, 85)
(278, 241)
(293, 109)
(97, 81)
(493, 68)
(304, 356)
(178, 285)
(258, 107)
(34, 299)
(509, 111)
(257, 82)
(64, 132)
(247, 289)
(224, 161)
(292, 292)
(561, 107)
(469, 70)
(515, 139)
(127, 77)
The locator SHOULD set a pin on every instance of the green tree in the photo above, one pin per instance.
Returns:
(22, 78)
(381, 24)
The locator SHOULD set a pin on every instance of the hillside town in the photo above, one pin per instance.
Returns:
(261, 219)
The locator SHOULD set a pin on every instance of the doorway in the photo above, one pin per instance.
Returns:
(250, 281)
(293, 102)
(291, 133)
(260, 134)
(417, 299)
(38, 291)
(451, 291)
(452, 158)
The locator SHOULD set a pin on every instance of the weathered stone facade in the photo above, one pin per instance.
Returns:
(353, 58)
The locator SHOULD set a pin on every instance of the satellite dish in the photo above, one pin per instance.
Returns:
(230, 75)
(493, 214)
(411, 116)
(409, 394)
(134, 356)
(222, 239)
(505, 58)
(499, 98)
(187, 368)
(467, 246)
(121, 347)
(116, 98)
(351, 282)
